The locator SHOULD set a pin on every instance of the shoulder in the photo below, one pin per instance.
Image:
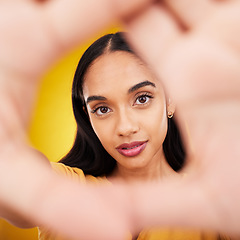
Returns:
(180, 234)
(74, 173)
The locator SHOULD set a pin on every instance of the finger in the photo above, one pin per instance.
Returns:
(191, 12)
(152, 33)
(74, 21)
(183, 61)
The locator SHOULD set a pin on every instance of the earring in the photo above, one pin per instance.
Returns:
(170, 114)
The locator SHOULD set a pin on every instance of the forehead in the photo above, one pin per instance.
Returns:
(118, 70)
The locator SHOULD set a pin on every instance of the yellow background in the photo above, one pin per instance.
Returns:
(52, 130)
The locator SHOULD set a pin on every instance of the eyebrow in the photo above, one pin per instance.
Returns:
(140, 85)
(95, 98)
(130, 90)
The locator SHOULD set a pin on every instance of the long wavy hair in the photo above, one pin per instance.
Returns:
(87, 152)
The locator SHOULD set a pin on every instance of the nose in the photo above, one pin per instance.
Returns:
(126, 124)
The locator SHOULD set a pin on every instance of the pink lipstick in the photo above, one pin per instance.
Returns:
(131, 149)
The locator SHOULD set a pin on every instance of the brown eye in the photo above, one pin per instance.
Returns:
(143, 99)
(103, 110)
(100, 111)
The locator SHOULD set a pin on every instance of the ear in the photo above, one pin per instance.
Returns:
(170, 108)
(85, 110)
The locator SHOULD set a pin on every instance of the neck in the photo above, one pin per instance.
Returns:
(160, 172)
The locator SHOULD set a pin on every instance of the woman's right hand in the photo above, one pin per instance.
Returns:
(34, 34)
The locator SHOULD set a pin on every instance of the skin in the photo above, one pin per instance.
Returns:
(119, 117)
(197, 58)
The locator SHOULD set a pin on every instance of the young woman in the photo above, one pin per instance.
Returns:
(107, 67)
(125, 125)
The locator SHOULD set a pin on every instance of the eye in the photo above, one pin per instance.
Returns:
(100, 111)
(142, 99)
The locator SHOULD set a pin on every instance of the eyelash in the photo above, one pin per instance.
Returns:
(147, 95)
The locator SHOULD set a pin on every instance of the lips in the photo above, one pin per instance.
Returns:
(131, 149)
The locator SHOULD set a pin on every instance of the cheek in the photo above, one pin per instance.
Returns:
(102, 130)
(157, 123)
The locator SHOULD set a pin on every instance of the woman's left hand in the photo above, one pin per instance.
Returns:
(194, 48)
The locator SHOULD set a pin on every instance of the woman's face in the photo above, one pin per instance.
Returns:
(127, 109)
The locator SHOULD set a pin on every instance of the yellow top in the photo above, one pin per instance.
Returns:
(153, 234)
